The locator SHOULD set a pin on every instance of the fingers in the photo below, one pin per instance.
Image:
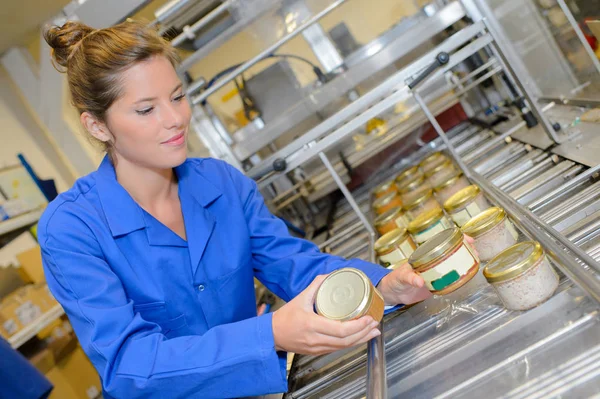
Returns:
(469, 239)
(310, 293)
(367, 333)
(405, 275)
(338, 329)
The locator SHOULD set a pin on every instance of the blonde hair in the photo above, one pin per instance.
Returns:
(94, 59)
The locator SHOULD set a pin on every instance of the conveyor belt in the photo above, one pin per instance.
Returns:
(466, 345)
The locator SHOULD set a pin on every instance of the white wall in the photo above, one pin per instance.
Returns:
(20, 133)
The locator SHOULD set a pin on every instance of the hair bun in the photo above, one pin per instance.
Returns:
(64, 39)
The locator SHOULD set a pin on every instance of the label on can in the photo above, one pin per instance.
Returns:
(425, 235)
(450, 270)
(401, 252)
(463, 216)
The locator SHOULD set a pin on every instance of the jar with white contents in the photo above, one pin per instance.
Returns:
(522, 276)
(492, 231)
(446, 262)
(413, 189)
(407, 176)
(466, 204)
(451, 186)
(422, 203)
(391, 220)
(441, 173)
(394, 246)
(428, 224)
(431, 161)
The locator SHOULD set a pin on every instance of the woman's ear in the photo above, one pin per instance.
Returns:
(96, 128)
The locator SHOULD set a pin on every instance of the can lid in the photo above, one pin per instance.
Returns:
(422, 197)
(390, 239)
(436, 247)
(432, 160)
(425, 220)
(414, 184)
(344, 295)
(383, 201)
(383, 187)
(513, 262)
(449, 181)
(388, 216)
(444, 165)
(462, 198)
(484, 222)
(407, 175)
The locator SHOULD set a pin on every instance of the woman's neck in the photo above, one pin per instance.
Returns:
(148, 187)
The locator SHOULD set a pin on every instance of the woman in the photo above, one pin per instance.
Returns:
(153, 255)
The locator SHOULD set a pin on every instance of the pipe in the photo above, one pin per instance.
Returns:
(376, 372)
(265, 53)
(190, 31)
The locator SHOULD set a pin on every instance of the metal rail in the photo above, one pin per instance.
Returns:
(265, 53)
(191, 31)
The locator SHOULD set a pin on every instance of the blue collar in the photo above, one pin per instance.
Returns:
(124, 215)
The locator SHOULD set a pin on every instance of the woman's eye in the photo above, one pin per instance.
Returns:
(179, 97)
(145, 111)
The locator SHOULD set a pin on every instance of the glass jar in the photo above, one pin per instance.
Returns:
(384, 189)
(348, 294)
(391, 220)
(394, 246)
(451, 186)
(428, 224)
(387, 202)
(432, 161)
(397, 264)
(408, 175)
(446, 262)
(492, 232)
(522, 276)
(441, 173)
(465, 204)
(422, 203)
(413, 189)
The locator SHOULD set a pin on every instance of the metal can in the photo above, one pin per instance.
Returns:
(394, 246)
(492, 232)
(391, 220)
(451, 186)
(466, 204)
(387, 202)
(522, 276)
(446, 262)
(441, 172)
(422, 203)
(431, 161)
(428, 224)
(407, 175)
(385, 189)
(348, 294)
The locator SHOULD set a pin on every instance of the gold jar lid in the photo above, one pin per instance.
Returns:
(344, 295)
(383, 187)
(422, 197)
(407, 175)
(388, 216)
(389, 240)
(484, 222)
(413, 184)
(449, 181)
(462, 198)
(436, 248)
(432, 159)
(383, 201)
(444, 165)
(513, 262)
(425, 220)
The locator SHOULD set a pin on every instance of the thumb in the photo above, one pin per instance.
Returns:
(310, 293)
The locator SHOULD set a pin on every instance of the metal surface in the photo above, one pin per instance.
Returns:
(189, 34)
(376, 373)
(265, 53)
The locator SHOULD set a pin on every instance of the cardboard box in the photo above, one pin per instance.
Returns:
(81, 375)
(31, 269)
(18, 310)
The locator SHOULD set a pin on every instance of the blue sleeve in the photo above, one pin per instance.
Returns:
(284, 264)
(132, 356)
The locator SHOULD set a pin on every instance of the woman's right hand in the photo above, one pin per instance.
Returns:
(298, 329)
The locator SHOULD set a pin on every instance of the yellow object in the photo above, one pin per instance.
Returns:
(229, 95)
(31, 270)
(462, 198)
(513, 261)
(74, 377)
(377, 126)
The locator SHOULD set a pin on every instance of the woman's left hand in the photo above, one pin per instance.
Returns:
(403, 286)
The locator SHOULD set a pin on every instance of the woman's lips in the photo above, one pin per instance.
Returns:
(176, 140)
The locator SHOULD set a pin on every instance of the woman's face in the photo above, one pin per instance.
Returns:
(149, 121)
